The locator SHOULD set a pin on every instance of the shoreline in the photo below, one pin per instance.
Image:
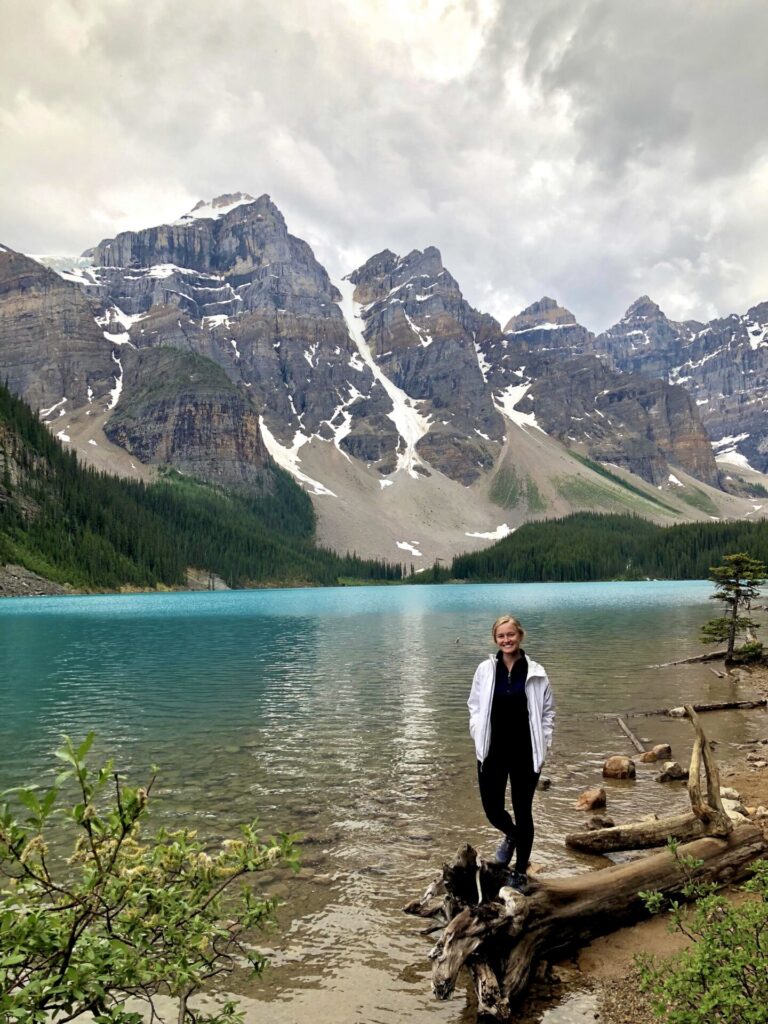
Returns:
(602, 974)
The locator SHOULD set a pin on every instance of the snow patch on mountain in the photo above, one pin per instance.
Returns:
(45, 413)
(758, 335)
(726, 451)
(216, 208)
(545, 325)
(288, 458)
(114, 394)
(482, 362)
(411, 425)
(163, 270)
(344, 416)
(728, 443)
(217, 320)
(498, 534)
(115, 315)
(675, 374)
(734, 458)
(77, 269)
(506, 401)
(424, 338)
(411, 548)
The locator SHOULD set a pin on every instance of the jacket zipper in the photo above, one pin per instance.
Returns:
(490, 708)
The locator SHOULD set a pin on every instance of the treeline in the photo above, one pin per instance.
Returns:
(588, 546)
(97, 532)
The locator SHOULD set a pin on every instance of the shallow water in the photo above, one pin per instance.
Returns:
(341, 714)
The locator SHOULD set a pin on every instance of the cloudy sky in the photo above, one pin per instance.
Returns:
(591, 150)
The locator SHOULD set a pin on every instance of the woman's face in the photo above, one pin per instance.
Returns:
(508, 639)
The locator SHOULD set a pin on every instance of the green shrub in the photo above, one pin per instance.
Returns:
(123, 917)
(723, 977)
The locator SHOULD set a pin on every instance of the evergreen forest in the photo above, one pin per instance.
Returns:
(588, 546)
(94, 531)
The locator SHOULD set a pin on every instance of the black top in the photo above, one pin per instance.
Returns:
(510, 729)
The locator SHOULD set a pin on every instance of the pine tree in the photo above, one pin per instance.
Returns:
(737, 582)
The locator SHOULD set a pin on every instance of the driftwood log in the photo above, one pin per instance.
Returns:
(720, 705)
(698, 658)
(706, 817)
(502, 938)
(500, 934)
(633, 739)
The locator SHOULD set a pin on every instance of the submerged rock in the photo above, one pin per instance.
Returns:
(591, 798)
(618, 766)
(599, 821)
(673, 772)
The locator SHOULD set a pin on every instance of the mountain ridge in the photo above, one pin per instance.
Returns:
(369, 389)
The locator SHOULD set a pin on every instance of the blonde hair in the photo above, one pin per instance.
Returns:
(507, 618)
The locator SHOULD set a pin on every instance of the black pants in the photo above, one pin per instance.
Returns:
(493, 775)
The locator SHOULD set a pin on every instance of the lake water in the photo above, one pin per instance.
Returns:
(341, 714)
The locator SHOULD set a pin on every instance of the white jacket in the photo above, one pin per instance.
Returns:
(541, 709)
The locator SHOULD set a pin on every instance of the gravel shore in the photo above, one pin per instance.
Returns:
(16, 581)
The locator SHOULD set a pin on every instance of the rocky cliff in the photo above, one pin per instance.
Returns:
(723, 364)
(543, 370)
(182, 410)
(546, 325)
(51, 349)
(229, 282)
(424, 335)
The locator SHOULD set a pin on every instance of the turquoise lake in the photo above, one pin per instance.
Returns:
(341, 714)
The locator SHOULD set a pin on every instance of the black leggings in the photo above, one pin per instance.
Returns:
(492, 774)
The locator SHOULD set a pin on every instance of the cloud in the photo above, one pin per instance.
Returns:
(584, 149)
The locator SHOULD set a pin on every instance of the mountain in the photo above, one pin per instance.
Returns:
(723, 364)
(423, 336)
(218, 345)
(545, 370)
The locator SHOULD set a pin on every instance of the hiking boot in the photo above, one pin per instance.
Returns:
(518, 880)
(505, 850)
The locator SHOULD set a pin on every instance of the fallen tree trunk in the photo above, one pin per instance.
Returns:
(638, 835)
(696, 659)
(502, 938)
(727, 705)
(721, 705)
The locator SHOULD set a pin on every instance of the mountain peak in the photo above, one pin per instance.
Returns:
(218, 207)
(544, 313)
(429, 259)
(643, 308)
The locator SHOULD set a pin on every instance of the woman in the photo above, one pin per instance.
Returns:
(511, 717)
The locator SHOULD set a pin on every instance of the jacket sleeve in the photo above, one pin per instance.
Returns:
(548, 715)
(474, 702)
